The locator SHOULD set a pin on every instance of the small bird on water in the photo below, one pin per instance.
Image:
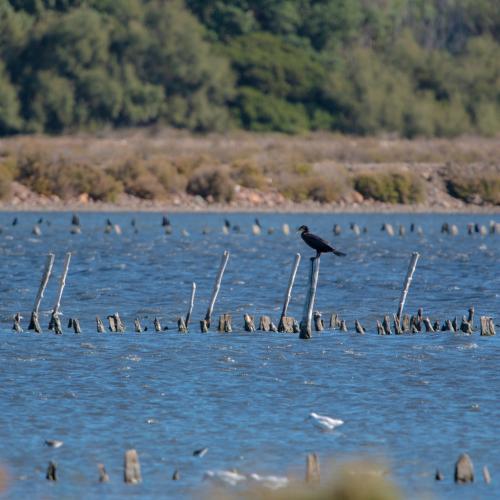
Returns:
(319, 244)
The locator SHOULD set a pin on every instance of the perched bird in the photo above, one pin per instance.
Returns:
(325, 423)
(319, 244)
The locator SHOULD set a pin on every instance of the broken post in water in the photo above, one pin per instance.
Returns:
(408, 280)
(184, 323)
(132, 468)
(305, 324)
(288, 295)
(62, 282)
(205, 323)
(34, 323)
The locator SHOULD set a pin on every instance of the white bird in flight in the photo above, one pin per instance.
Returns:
(325, 423)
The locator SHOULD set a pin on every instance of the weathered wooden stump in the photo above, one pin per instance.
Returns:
(137, 326)
(337, 229)
(453, 230)
(204, 326)
(132, 468)
(76, 325)
(224, 323)
(428, 326)
(273, 327)
(465, 326)
(487, 326)
(70, 323)
(51, 474)
(447, 326)
(406, 324)
(176, 475)
(359, 327)
(380, 328)
(445, 228)
(265, 324)
(103, 475)
(343, 326)
(438, 476)
(486, 475)
(17, 323)
(334, 321)
(464, 469)
(157, 325)
(249, 324)
(181, 325)
(386, 323)
(99, 325)
(56, 325)
(470, 318)
(318, 322)
(402, 230)
(454, 324)
(296, 326)
(120, 327)
(313, 474)
(286, 325)
(397, 326)
(112, 323)
(388, 229)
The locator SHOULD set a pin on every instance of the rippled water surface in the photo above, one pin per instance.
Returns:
(414, 401)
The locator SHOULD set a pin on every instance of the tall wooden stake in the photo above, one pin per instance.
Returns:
(34, 323)
(205, 324)
(288, 294)
(408, 280)
(305, 324)
(62, 283)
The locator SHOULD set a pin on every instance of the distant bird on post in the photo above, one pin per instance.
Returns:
(319, 244)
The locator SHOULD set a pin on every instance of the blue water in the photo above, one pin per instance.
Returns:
(414, 401)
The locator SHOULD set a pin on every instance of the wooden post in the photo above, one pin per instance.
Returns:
(380, 328)
(103, 475)
(99, 325)
(464, 469)
(408, 280)
(225, 323)
(288, 294)
(76, 325)
(183, 324)
(137, 326)
(359, 327)
(386, 323)
(397, 326)
(318, 322)
(132, 468)
(428, 326)
(157, 325)
(51, 474)
(313, 474)
(120, 327)
(343, 326)
(112, 323)
(62, 283)
(470, 318)
(305, 324)
(17, 323)
(249, 324)
(487, 326)
(265, 324)
(465, 326)
(34, 323)
(205, 324)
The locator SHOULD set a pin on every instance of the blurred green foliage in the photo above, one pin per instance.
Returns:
(412, 67)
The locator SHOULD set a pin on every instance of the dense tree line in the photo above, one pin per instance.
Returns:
(413, 67)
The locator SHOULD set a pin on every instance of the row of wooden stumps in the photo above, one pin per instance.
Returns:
(464, 470)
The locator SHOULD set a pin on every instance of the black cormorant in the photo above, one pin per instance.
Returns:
(319, 244)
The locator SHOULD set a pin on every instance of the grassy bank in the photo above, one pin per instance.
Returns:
(319, 169)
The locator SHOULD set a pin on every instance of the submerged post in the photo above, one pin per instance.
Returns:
(34, 323)
(408, 280)
(62, 283)
(288, 295)
(205, 323)
(305, 324)
(182, 323)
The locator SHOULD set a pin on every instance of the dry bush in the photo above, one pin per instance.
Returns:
(211, 183)
(322, 190)
(474, 186)
(248, 174)
(390, 187)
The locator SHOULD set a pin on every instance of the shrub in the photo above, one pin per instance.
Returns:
(485, 186)
(5, 181)
(390, 187)
(322, 190)
(248, 174)
(214, 183)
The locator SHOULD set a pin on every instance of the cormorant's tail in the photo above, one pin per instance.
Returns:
(340, 254)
